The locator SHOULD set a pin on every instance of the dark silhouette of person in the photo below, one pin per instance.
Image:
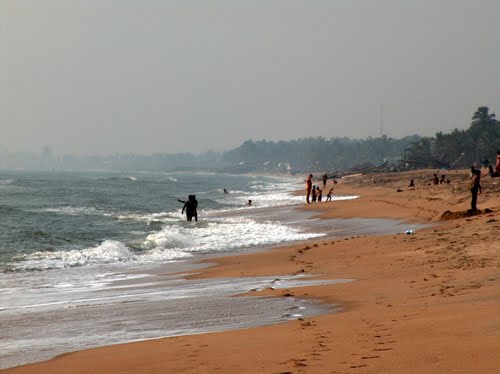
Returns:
(475, 189)
(329, 196)
(314, 194)
(435, 179)
(190, 207)
(412, 184)
(195, 211)
(442, 180)
(497, 165)
(492, 173)
(308, 187)
(325, 178)
(225, 191)
(319, 194)
(486, 162)
(249, 202)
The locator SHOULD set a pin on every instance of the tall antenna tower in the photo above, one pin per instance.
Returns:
(381, 120)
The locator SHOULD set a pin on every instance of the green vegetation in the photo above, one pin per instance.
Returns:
(460, 148)
(316, 154)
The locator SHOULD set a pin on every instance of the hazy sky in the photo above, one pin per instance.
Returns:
(144, 76)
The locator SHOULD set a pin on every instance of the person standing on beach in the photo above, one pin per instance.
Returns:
(486, 162)
(319, 194)
(475, 189)
(436, 179)
(329, 196)
(497, 167)
(325, 178)
(308, 187)
(314, 194)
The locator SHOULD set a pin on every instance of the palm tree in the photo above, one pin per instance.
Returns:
(482, 115)
(483, 133)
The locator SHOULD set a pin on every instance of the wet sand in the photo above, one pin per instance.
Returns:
(425, 302)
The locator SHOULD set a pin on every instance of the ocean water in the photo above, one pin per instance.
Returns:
(60, 220)
(85, 257)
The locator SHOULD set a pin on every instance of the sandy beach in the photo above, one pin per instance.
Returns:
(426, 302)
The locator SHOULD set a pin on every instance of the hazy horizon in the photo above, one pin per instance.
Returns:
(121, 76)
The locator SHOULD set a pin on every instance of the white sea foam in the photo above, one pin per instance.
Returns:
(5, 182)
(108, 251)
(152, 217)
(74, 211)
(173, 242)
(224, 235)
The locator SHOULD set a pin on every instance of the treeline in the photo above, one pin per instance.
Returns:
(459, 148)
(318, 154)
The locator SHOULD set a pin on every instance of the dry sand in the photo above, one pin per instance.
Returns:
(422, 303)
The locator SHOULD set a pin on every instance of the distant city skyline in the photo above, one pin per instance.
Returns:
(121, 76)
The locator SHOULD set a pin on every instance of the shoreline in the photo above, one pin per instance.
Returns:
(425, 302)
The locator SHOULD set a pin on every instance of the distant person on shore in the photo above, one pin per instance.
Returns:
(475, 189)
(319, 194)
(314, 194)
(486, 162)
(325, 178)
(497, 167)
(249, 202)
(412, 184)
(308, 187)
(329, 196)
(190, 207)
(225, 191)
(443, 179)
(472, 171)
(435, 180)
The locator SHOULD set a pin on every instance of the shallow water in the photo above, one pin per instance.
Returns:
(47, 319)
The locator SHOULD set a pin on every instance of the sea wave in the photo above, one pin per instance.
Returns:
(223, 235)
(173, 242)
(109, 251)
(74, 211)
(5, 182)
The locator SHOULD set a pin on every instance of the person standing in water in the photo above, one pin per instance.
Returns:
(190, 207)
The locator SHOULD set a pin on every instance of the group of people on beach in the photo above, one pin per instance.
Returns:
(314, 193)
